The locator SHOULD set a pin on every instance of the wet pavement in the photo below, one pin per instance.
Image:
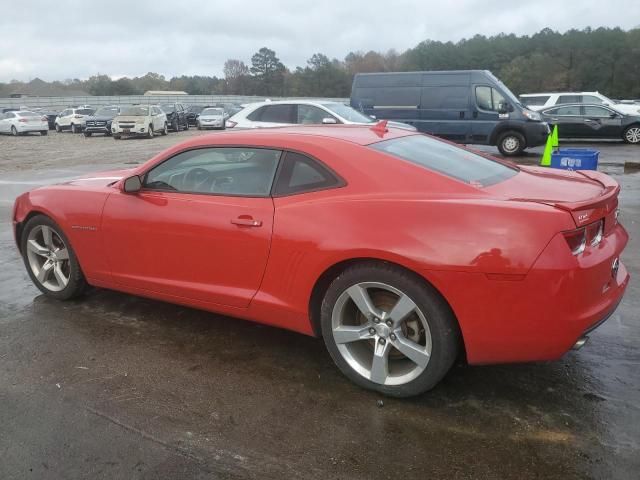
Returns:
(115, 386)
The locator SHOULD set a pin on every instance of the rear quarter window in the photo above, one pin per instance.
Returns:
(446, 159)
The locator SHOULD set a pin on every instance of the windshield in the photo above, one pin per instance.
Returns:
(450, 160)
(348, 113)
(505, 90)
(168, 107)
(212, 111)
(107, 112)
(135, 111)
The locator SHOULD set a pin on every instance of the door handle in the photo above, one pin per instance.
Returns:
(246, 221)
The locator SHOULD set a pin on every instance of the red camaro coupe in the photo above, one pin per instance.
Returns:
(402, 251)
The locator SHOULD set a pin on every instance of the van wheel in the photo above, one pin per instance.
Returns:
(511, 143)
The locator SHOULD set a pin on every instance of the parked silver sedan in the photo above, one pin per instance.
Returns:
(211, 118)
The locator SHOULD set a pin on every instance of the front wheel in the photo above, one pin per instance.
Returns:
(74, 129)
(632, 134)
(87, 134)
(14, 131)
(58, 128)
(150, 131)
(50, 260)
(511, 143)
(388, 330)
(165, 129)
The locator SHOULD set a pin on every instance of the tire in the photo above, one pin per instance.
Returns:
(87, 134)
(116, 137)
(14, 131)
(51, 283)
(429, 332)
(74, 129)
(150, 131)
(632, 134)
(165, 130)
(186, 125)
(175, 126)
(58, 128)
(198, 126)
(44, 132)
(511, 143)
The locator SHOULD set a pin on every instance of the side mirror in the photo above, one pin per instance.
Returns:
(329, 121)
(503, 107)
(132, 184)
(613, 115)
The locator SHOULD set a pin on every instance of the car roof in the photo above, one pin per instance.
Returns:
(562, 105)
(357, 134)
(558, 93)
(296, 102)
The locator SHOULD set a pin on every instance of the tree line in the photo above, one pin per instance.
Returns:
(602, 59)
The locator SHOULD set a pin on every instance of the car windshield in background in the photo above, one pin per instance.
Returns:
(348, 113)
(168, 107)
(106, 112)
(29, 114)
(447, 159)
(212, 111)
(134, 111)
(85, 111)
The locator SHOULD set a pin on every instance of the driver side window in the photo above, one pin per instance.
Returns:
(242, 171)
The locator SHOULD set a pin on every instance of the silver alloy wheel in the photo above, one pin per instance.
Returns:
(14, 131)
(381, 333)
(48, 258)
(633, 135)
(150, 131)
(510, 143)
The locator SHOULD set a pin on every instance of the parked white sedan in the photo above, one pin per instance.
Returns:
(22, 121)
(301, 112)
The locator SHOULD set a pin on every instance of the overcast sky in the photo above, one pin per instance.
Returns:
(55, 40)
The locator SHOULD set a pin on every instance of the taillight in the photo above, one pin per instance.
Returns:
(230, 124)
(577, 240)
(595, 232)
(22, 120)
(590, 235)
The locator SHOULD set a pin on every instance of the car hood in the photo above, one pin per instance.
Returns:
(129, 118)
(101, 179)
(101, 118)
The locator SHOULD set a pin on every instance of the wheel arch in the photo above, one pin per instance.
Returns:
(503, 128)
(332, 272)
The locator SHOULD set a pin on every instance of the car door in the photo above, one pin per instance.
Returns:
(65, 118)
(568, 119)
(485, 116)
(600, 122)
(200, 227)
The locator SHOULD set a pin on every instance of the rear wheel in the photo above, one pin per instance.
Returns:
(58, 128)
(44, 132)
(387, 330)
(14, 131)
(87, 134)
(511, 143)
(50, 260)
(74, 128)
(632, 134)
(165, 129)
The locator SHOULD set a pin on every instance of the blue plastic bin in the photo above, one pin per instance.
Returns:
(575, 159)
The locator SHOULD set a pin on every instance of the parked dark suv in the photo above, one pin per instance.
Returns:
(100, 121)
(177, 115)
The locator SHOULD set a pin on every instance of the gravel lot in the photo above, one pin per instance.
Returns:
(115, 386)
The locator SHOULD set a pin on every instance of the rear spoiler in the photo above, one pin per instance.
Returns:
(587, 211)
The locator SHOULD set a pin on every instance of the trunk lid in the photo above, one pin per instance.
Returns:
(587, 195)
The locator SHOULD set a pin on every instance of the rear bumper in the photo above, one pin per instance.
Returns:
(33, 127)
(542, 316)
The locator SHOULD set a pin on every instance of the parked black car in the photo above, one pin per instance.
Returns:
(589, 121)
(176, 116)
(100, 121)
(192, 113)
